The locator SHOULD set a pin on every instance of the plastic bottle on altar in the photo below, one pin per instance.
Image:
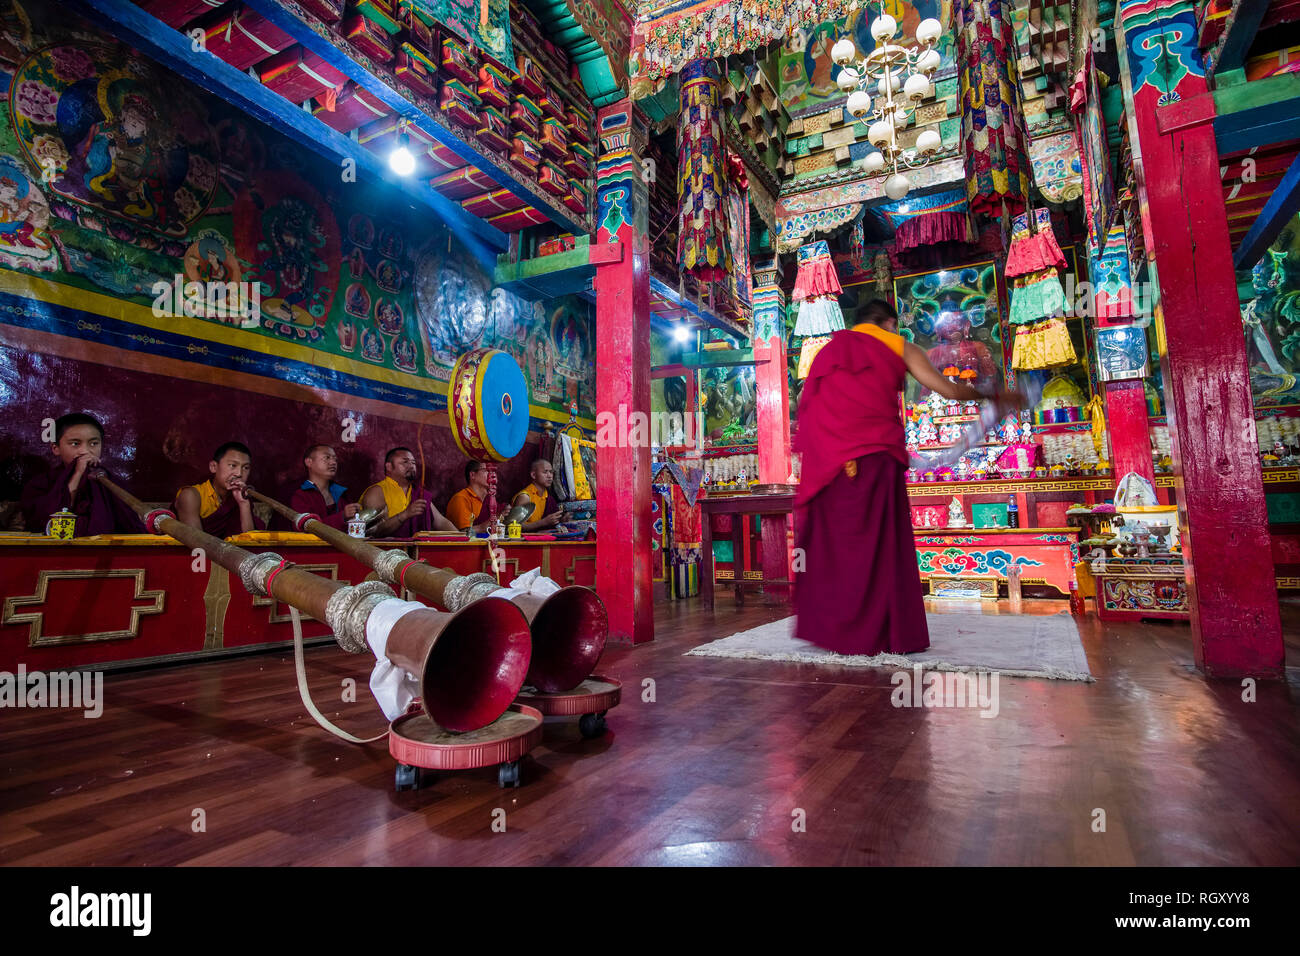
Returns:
(1013, 512)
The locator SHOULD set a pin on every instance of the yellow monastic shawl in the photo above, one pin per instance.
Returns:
(395, 498)
(538, 497)
(895, 342)
(209, 501)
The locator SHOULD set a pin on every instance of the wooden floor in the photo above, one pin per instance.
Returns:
(711, 772)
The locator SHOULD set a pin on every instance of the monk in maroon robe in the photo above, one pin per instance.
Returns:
(859, 591)
(409, 509)
(318, 495)
(219, 505)
(78, 450)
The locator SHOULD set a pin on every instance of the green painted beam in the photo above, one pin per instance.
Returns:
(719, 358)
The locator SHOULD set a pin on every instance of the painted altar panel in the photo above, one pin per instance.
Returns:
(1044, 557)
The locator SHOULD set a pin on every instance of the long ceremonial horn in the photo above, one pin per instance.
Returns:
(569, 627)
(471, 663)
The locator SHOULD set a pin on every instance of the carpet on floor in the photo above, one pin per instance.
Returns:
(1013, 645)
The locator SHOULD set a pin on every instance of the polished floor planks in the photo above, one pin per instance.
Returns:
(712, 772)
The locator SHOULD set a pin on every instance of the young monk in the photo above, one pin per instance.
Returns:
(859, 591)
(466, 506)
(546, 510)
(78, 451)
(319, 495)
(219, 505)
(410, 509)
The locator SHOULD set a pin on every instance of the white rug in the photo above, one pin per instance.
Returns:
(1013, 645)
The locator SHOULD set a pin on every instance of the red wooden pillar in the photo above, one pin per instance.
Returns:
(622, 285)
(1235, 623)
(773, 386)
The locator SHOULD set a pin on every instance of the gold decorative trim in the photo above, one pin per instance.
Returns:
(753, 575)
(36, 619)
(274, 618)
(569, 574)
(1287, 582)
(1277, 476)
(986, 584)
(216, 598)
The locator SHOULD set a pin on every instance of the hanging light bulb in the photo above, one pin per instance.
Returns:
(880, 132)
(874, 162)
(928, 142)
(928, 31)
(843, 51)
(889, 81)
(681, 334)
(884, 28)
(401, 160)
(918, 87)
(859, 103)
(897, 186)
(928, 61)
(848, 79)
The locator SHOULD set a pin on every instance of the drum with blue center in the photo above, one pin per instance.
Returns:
(487, 401)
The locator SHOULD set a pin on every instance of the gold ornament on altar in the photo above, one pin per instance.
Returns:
(882, 69)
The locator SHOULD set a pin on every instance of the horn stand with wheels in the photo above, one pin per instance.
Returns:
(470, 663)
(568, 627)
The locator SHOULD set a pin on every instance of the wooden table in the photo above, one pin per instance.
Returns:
(776, 581)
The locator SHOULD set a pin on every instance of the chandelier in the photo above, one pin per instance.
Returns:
(883, 69)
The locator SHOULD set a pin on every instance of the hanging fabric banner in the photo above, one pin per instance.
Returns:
(992, 121)
(703, 243)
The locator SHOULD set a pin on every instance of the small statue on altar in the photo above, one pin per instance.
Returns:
(926, 431)
(911, 435)
(1280, 451)
(962, 469)
(952, 409)
(1026, 433)
(971, 407)
(1010, 429)
(956, 516)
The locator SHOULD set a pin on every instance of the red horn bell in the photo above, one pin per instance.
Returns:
(569, 629)
(471, 664)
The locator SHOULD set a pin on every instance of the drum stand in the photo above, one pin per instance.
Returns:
(416, 743)
(589, 701)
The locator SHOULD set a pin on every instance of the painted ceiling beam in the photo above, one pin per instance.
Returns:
(1239, 32)
(394, 100)
(173, 50)
(662, 290)
(1277, 212)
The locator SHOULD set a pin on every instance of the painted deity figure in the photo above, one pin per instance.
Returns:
(120, 161)
(293, 236)
(23, 216)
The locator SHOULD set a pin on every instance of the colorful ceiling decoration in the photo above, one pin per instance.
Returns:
(1057, 172)
(669, 34)
(792, 231)
(466, 18)
(610, 25)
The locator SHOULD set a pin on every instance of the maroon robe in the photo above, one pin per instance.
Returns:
(224, 522)
(859, 591)
(98, 510)
(412, 526)
(307, 499)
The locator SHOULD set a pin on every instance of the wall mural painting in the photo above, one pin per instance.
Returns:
(117, 176)
(955, 316)
(807, 71)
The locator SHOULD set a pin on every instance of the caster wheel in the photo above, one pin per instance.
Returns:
(406, 777)
(508, 774)
(591, 725)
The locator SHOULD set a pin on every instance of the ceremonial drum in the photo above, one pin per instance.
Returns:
(487, 399)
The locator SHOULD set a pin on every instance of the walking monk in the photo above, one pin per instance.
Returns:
(78, 449)
(859, 591)
(219, 505)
